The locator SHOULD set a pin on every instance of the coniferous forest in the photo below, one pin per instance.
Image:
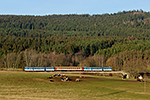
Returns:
(120, 40)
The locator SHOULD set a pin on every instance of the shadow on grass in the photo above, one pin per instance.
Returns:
(111, 93)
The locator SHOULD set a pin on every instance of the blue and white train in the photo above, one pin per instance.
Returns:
(53, 69)
(97, 69)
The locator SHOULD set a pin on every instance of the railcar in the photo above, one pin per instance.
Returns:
(87, 69)
(29, 69)
(49, 69)
(69, 69)
(39, 69)
(107, 69)
(96, 69)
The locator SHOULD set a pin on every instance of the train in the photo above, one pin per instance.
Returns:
(64, 69)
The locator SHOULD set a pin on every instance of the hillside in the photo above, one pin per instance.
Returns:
(107, 35)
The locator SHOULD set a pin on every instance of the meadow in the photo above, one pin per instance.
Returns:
(35, 85)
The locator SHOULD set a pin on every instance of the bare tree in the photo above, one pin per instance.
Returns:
(69, 59)
(133, 67)
(40, 59)
(11, 60)
(78, 57)
(30, 57)
(1, 63)
(18, 59)
(99, 60)
(60, 60)
(89, 61)
(4, 60)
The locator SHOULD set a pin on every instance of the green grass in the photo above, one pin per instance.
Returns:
(11, 69)
(148, 69)
(29, 86)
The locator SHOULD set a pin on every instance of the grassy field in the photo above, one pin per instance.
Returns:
(29, 86)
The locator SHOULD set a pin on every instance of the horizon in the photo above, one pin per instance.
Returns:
(66, 7)
(75, 13)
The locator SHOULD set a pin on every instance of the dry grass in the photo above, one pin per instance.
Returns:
(29, 86)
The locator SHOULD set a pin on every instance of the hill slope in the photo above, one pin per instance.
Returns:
(108, 35)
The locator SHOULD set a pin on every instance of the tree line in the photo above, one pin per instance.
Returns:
(31, 57)
(129, 61)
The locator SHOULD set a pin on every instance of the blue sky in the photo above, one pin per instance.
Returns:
(44, 7)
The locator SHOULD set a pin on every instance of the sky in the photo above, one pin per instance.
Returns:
(50, 7)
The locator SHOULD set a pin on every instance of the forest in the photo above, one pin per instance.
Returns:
(119, 40)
